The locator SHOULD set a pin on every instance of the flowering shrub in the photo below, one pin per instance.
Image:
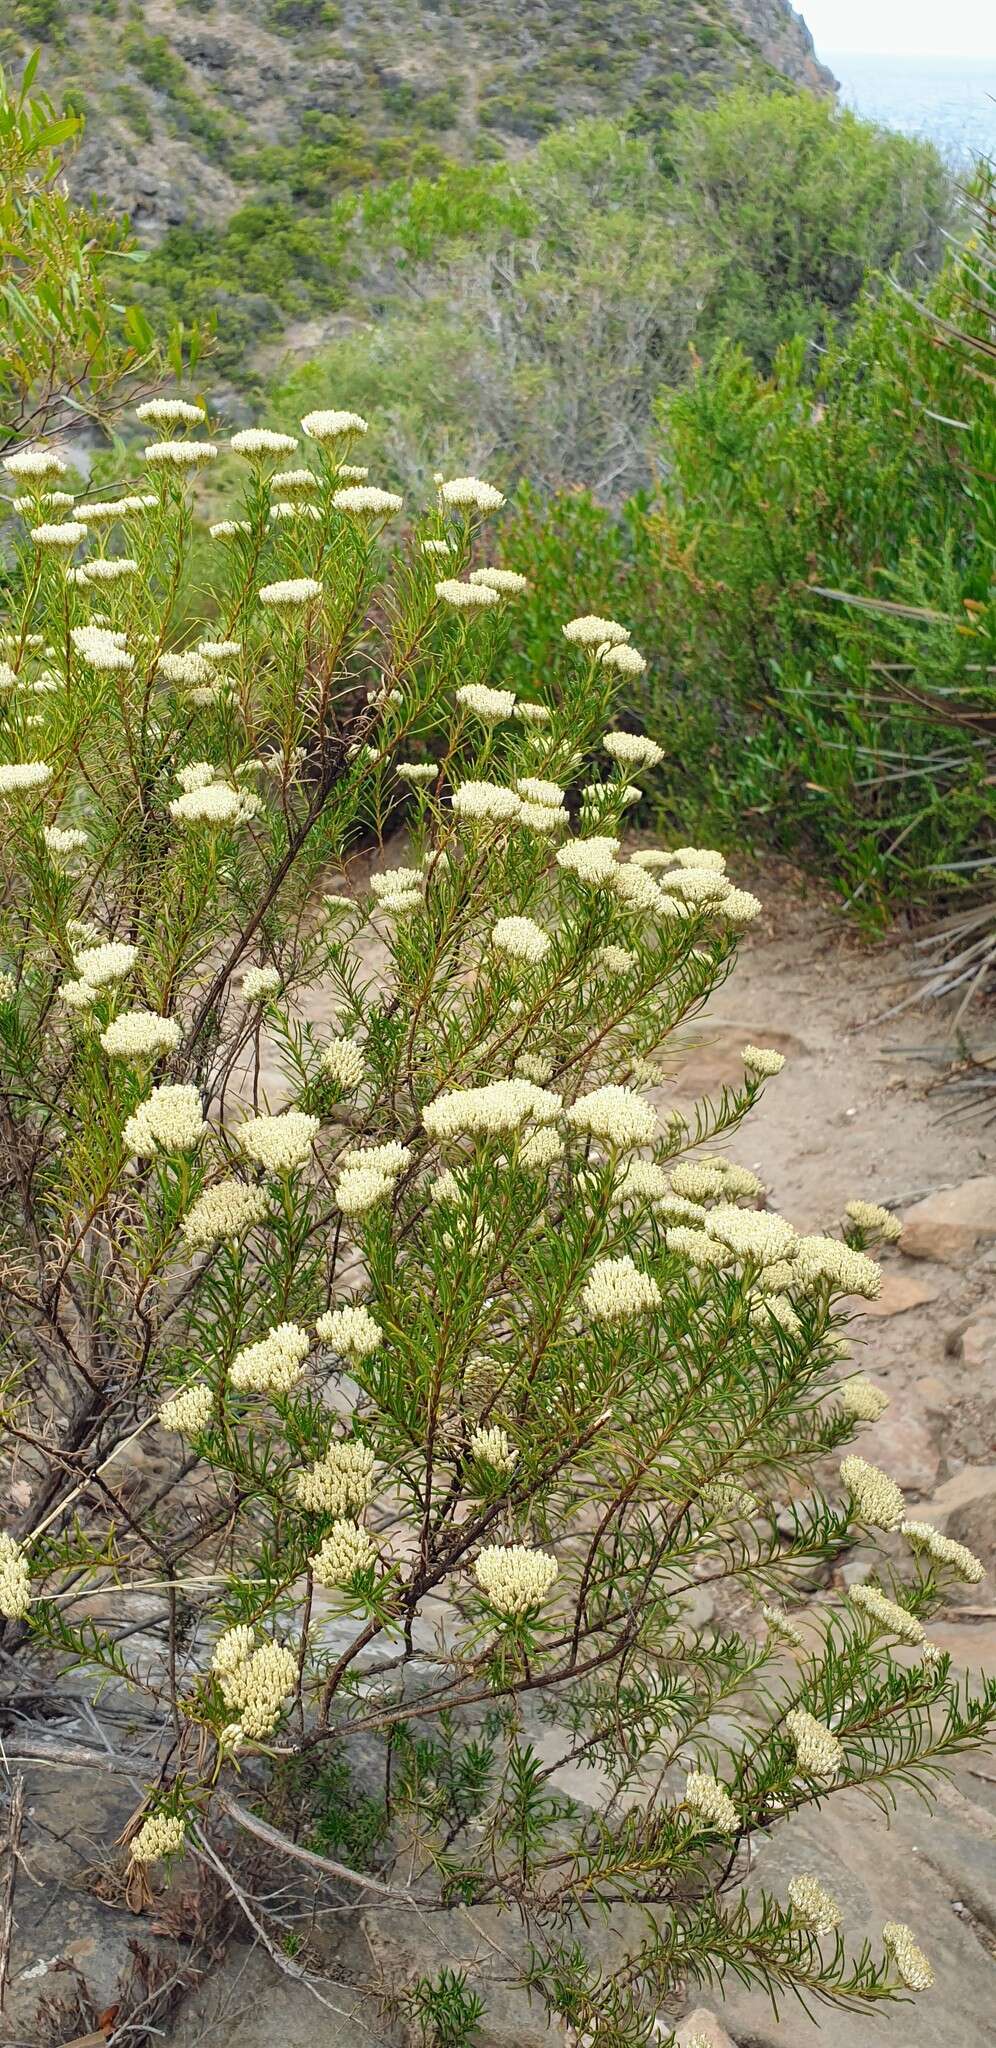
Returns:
(347, 1194)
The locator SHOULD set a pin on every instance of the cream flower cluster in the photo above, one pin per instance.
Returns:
(15, 1579)
(169, 1120)
(818, 1752)
(485, 802)
(592, 631)
(513, 1578)
(878, 1222)
(616, 1290)
(507, 581)
(340, 1483)
(944, 1549)
(102, 650)
(465, 597)
(617, 1116)
(471, 491)
(215, 803)
(780, 1625)
(877, 1498)
(813, 1905)
(169, 412)
(223, 1211)
(592, 860)
(862, 1399)
(278, 1143)
(342, 1061)
(762, 1061)
(161, 1834)
(346, 1550)
(641, 1180)
(540, 1149)
(848, 1271)
(491, 1447)
(491, 706)
(291, 594)
(519, 938)
(189, 1411)
(67, 534)
(140, 1035)
(332, 426)
(258, 983)
(107, 569)
(108, 962)
(367, 1174)
(895, 1620)
(498, 1106)
(711, 1802)
(711, 1178)
(254, 1682)
(262, 441)
(395, 882)
(632, 749)
(16, 777)
(910, 1961)
(274, 1364)
(180, 454)
(352, 1331)
(62, 840)
(416, 771)
(34, 462)
(757, 1236)
(364, 500)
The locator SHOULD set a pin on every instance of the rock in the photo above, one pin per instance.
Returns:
(903, 1445)
(877, 1872)
(713, 1059)
(977, 1343)
(899, 1292)
(247, 2002)
(948, 1226)
(934, 1393)
(965, 1508)
(702, 2025)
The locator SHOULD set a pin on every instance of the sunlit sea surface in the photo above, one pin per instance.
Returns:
(948, 100)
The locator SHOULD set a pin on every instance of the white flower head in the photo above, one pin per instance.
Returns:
(514, 1579)
(591, 631)
(364, 501)
(332, 426)
(140, 1035)
(466, 596)
(180, 454)
(471, 491)
(253, 441)
(290, 595)
(34, 462)
(169, 412)
(278, 1143)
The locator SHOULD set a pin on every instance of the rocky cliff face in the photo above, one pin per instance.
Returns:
(196, 105)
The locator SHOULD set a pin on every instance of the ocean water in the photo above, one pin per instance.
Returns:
(950, 101)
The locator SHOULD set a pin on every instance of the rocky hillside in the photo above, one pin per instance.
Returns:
(196, 106)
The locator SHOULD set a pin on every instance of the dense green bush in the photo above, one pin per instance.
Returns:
(848, 725)
(796, 200)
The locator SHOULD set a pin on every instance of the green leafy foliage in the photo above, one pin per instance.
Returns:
(67, 343)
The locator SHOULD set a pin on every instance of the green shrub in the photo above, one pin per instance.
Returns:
(796, 201)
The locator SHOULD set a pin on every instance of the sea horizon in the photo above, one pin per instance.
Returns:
(950, 101)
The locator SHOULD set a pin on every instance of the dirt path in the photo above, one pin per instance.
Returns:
(851, 1115)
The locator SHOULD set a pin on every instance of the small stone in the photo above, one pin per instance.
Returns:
(965, 1509)
(977, 1346)
(903, 1445)
(899, 1292)
(948, 1225)
(702, 2025)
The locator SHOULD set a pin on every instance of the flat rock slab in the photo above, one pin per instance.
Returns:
(903, 1444)
(949, 1225)
(247, 2002)
(899, 1293)
(714, 1058)
(879, 1873)
(702, 2026)
(965, 1508)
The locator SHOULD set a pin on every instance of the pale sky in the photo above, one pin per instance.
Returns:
(959, 28)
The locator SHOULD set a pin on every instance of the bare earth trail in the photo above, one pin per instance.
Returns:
(850, 1117)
